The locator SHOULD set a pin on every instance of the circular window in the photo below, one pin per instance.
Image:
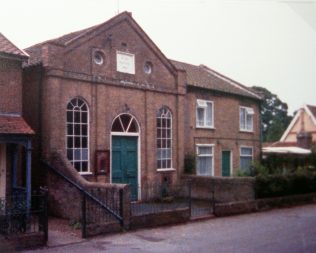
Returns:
(148, 67)
(98, 57)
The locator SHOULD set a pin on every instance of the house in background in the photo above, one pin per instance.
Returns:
(15, 133)
(298, 140)
(302, 130)
(109, 101)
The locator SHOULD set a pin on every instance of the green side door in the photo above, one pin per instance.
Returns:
(226, 163)
(124, 162)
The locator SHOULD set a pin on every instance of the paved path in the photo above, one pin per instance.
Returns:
(283, 230)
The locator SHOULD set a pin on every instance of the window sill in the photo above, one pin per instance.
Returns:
(166, 170)
(205, 127)
(246, 131)
(85, 173)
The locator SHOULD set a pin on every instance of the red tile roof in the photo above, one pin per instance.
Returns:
(14, 124)
(8, 47)
(203, 77)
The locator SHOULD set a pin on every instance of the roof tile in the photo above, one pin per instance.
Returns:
(8, 47)
(203, 77)
(14, 124)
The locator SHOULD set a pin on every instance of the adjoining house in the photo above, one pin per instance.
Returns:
(110, 101)
(15, 133)
(222, 122)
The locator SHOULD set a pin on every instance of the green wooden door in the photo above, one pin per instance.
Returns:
(124, 162)
(226, 163)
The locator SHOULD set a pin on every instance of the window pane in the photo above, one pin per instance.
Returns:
(246, 151)
(204, 166)
(84, 142)
(84, 166)
(117, 127)
(84, 154)
(77, 166)
(200, 116)
(245, 163)
(205, 150)
(69, 142)
(249, 122)
(84, 117)
(133, 127)
(77, 117)
(77, 129)
(69, 116)
(69, 154)
(242, 118)
(69, 129)
(77, 142)
(84, 130)
(125, 118)
(77, 154)
(209, 115)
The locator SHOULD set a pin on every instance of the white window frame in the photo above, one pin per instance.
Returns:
(205, 155)
(73, 135)
(202, 104)
(160, 116)
(248, 112)
(241, 155)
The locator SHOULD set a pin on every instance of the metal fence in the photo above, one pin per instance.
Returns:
(101, 206)
(18, 217)
(156, 198)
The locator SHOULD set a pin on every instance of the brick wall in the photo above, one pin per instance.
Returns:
(225, 189)
(10, 86)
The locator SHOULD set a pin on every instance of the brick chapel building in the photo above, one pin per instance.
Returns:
(110, 101)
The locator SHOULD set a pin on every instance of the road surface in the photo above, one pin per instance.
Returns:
(291, 230)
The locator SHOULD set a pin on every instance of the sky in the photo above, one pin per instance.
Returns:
(268, 43)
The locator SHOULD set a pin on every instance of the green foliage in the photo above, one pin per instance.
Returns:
(255, 169)
(282, 185)
(189, 163)
(75, 224)
(274, 116)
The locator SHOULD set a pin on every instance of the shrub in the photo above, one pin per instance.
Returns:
(189, 163)
(282, 185)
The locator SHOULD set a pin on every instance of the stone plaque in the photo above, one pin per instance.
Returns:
(125, 63)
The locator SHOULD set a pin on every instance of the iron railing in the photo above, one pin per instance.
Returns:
(17, 219)
(160, 197)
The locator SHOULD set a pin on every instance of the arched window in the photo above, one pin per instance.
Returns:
(125, 123)
(164, 138)
(78, 134)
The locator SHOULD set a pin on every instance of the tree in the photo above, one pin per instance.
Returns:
(274, 115)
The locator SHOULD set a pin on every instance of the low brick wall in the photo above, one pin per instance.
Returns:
(159, 219)
(240, 207)
(22, 242)
(226, 189)
(98, 229)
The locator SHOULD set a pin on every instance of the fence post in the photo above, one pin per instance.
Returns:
(45, 214)
(84, 217)
(190, 197)
(121, 205)
(213, 199)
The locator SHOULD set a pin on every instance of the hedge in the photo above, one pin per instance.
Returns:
(268, 186)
